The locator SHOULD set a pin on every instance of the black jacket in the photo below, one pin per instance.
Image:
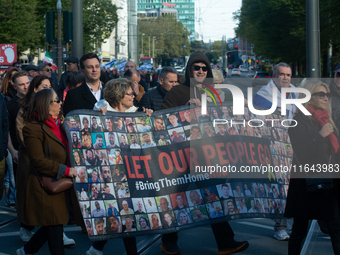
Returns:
(152, 99)
(79, 98)
(181, 94)
(309, 148)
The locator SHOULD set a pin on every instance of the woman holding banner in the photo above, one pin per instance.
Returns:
(118, 97)
(315, 142)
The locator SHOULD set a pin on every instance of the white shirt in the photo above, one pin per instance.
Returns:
(97, 94)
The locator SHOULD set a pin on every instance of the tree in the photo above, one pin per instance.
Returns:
(99, 19)
(171, 37)
(19, 24)
(277, 28)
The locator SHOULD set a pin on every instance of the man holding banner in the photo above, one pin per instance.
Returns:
(198, 71)
(282, 74)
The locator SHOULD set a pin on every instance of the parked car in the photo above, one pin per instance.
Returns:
(261, 78)
(236, 71)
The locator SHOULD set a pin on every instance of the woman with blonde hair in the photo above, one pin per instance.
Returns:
(315, 142)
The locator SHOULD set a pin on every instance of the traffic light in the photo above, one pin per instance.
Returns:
(67, 26)
(236, 47)
(50, 27)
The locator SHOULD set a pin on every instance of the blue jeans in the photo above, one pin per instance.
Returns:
(9, 180)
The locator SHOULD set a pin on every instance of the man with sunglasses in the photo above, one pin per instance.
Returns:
(198, 72)
(45, 69)
(17, 65)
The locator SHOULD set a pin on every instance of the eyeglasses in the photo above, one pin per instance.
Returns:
(155, 219)
(57, 100)
(47, 70)
(204, 68)
(19, 66)
(322, 95)
(130, 94)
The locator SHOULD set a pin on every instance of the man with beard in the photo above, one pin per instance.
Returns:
(106, 172)
(95, 127)
(99, 226)
(134, 144)
(99, 142)
(112, 141)
(115, 224)
(90, 159)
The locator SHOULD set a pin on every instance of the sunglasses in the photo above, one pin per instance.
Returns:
(57, 100)
(19, 66)
(130, 94)
(106, 171)
(47, 70)
(204, 68)
(155, 219)
(322, 95)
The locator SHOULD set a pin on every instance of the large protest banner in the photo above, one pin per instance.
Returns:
(178, 169)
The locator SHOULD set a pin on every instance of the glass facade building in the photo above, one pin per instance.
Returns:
(185, 8)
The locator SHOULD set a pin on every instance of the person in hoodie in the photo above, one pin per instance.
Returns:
(198, 72)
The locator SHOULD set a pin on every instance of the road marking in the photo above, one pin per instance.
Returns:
(256, 225)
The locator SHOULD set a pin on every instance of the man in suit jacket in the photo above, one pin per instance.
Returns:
(86, 95)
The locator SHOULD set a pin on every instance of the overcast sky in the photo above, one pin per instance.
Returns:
(214, 18)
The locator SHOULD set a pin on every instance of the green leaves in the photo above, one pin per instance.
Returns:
(170, 37)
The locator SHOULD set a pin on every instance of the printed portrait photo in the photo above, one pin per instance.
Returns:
(158, 123)
(96, 125)
(188, 117)
(150, 204)
(85, 123)
(111, 207)
(143, 124)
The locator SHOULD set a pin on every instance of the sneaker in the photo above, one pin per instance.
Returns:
(68, 241)
(21, 251)
(171, 250)
(25, 234)
(281, 235)
(93, 251)
(237, 247)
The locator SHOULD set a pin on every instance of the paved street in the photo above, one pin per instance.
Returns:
(258, 232)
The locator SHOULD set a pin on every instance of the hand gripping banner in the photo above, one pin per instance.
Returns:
(177, 169)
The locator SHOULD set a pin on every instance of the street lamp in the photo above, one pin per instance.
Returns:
(59, 7)
(142, 45)
(153, 47)
(116, 36)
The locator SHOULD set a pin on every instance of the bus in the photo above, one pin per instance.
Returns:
(145, 60)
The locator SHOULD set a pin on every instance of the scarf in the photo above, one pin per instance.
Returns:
(53, 123)
(321, 117)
